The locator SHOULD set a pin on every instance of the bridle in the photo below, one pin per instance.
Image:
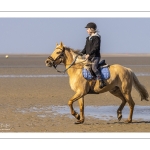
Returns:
(62, 55)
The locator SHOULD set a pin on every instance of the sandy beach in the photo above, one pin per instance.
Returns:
(34, 98)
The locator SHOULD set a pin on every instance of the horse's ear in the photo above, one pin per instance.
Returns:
(61, 44)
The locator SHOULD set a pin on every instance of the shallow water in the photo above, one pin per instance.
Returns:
(98, 112)
(53, 75)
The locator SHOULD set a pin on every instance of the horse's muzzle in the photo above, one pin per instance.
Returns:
(48, 63)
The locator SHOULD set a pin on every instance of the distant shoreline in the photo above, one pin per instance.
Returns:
(102, 55)
(126, 55)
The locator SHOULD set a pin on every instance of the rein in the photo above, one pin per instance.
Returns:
(55, 67)
(62, 54)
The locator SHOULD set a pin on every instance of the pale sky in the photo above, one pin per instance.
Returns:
(40, 35)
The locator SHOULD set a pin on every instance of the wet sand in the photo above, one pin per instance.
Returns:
(30, 92)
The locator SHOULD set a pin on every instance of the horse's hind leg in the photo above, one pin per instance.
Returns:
(126, 91)
(131, 103)
(116, 92)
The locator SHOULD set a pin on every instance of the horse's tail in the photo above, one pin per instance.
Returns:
(140, 88)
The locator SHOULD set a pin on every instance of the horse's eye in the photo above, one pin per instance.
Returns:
(58, 52)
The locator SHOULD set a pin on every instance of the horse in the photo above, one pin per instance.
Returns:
(119, 84)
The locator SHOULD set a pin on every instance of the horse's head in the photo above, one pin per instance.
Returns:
(56, 57)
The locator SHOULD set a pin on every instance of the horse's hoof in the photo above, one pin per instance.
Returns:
(128, 121)
(78, 117)
(79, 122)
(119, 117)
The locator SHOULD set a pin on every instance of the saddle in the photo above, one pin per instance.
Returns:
(87, 69)
(88, 73)
(102, 64)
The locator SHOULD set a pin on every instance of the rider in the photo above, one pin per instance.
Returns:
(92, 50)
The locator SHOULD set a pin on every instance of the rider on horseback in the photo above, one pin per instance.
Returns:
(92, 50)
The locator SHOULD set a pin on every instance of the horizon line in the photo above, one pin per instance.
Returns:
(102, 54)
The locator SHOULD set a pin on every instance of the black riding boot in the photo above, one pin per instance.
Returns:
(101, 82)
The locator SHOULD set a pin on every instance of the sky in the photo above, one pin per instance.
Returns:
(40, 35)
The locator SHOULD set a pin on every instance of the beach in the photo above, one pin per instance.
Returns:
(34, 98)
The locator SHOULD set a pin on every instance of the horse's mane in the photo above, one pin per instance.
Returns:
(77, 51)
(80, 59)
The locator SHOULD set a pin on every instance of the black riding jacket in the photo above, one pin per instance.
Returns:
(92, 46)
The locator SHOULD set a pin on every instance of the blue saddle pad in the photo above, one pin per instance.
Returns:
(105, 73)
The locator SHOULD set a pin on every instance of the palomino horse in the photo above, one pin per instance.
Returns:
(119, 84)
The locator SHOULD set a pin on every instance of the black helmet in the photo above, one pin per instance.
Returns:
(91, 25)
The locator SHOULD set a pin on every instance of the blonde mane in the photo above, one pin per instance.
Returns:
(80, 58)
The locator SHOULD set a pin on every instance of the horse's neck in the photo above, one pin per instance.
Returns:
(69, 59)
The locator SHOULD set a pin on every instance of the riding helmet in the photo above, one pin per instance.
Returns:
(91, 25)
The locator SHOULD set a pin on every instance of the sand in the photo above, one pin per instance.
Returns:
(28, 92)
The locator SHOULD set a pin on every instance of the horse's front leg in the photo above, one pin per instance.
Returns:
(70, 103)
(81, 106)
